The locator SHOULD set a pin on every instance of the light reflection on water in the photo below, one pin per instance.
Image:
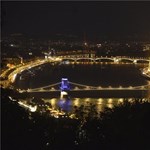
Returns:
(68, 105)
(65, 105)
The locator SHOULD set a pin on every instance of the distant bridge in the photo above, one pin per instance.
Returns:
(98, 59)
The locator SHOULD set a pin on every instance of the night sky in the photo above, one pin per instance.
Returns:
(94, 18)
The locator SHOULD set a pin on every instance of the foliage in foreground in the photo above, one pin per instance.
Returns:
(124, 127)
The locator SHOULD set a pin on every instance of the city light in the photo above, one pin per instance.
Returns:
(13, 78)
(31, 108)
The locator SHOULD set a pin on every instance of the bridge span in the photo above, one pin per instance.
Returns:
(82, 91)
(76, 87)
(98, 59)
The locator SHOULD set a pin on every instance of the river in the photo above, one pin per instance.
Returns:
(102, 74)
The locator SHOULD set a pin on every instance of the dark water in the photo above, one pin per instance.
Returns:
(103, 75)
(95, 75)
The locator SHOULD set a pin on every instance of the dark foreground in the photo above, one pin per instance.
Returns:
(124, 127)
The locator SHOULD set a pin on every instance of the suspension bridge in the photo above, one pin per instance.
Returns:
(72, 86)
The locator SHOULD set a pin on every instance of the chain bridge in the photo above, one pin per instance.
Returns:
(72, 86)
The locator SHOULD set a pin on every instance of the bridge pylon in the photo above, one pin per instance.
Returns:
(65, 87)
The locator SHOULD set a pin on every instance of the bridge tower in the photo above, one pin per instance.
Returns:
(65, 87)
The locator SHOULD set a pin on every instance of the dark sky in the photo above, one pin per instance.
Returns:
(94, 18)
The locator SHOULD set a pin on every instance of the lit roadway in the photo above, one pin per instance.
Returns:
(11, 73)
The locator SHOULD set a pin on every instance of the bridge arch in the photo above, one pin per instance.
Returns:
(113, 59)
(126, 59)
(143, 60)
(68, 59)
(78, 59)
(104, 58)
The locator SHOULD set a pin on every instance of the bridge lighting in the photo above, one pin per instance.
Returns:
(142, 87)
(41, 89)
(63, 94)
(76, 88)
(116, 60)
(29, 90)
(99, 87)
(53, 89)
(87, 87)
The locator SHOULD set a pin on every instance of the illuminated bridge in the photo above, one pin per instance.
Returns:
(81, 87)
(99, 59)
